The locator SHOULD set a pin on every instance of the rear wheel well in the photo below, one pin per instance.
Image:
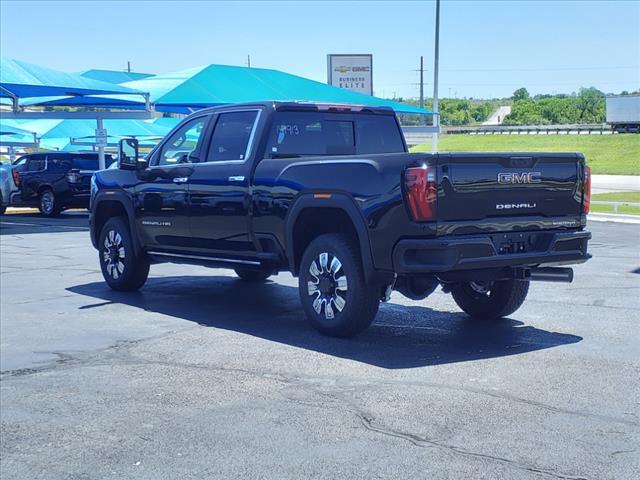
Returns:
(104, 211)
(44, 188)
(313, 222)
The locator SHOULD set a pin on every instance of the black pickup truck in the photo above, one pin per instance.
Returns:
(331, 194)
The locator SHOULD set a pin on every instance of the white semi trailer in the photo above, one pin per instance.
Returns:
(623, 113)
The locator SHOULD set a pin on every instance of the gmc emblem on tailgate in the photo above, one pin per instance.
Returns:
(517, 178)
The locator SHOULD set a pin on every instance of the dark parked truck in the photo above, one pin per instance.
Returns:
(53, 181)
(330, 194)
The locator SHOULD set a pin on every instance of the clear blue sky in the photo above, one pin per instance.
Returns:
(488, 49)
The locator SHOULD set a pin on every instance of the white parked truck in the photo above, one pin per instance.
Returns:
(623, 113)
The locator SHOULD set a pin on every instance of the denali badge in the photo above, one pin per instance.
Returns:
(508, 206)
(514, 178)
(156, 223)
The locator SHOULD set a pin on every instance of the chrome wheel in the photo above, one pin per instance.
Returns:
(483, 288)
(47, 202)
(328, 285)
(114, 254)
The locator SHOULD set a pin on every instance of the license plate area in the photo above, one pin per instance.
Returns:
(524, 242)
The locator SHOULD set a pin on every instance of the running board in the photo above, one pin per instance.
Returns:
(202, 257)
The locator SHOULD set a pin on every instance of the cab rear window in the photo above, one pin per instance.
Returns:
(312, 133)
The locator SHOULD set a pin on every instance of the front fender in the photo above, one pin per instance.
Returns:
(126, 202)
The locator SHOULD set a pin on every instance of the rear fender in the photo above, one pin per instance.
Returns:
(337, 201)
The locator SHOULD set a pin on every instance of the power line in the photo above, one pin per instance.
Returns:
(528, 69)
(537, 69)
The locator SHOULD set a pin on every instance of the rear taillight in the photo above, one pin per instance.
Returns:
(421, 187)
(16, 177)
(586, 196)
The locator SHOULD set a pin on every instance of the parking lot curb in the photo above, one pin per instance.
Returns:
(606, 217)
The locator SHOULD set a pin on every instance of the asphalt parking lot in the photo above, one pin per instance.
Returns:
(200, 375)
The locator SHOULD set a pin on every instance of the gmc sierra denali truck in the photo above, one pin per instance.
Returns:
(331, 194)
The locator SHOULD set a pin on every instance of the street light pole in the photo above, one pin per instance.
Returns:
(436, 112)
(101, 159)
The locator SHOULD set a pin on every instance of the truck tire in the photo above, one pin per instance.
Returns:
(3, 207)
(252, 275)
(49, 205)
(332, 287)
(490, 300)
(122, 269)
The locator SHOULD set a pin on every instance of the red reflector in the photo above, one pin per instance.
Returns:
(16, 177)
(421, 186)
(586, 195)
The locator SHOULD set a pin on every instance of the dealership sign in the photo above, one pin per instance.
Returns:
(352, 72)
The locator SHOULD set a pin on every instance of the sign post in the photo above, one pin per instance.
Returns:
(101, 142)
(351, 72)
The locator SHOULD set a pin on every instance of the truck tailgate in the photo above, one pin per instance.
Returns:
(494, 192)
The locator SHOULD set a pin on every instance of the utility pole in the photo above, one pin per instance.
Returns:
(249, 61)
(128, 66)
(421, 81)
(436, 113)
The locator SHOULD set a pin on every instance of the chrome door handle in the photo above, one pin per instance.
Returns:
(239, 178)
(180, 179)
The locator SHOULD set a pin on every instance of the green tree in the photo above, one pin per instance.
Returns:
(520, 94)
(591, 105)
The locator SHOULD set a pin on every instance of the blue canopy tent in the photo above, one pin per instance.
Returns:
(72, 134)
(114, 76)
(20, 80)
(24, 80)
(194, 88)
(10, 129)
(12, 136)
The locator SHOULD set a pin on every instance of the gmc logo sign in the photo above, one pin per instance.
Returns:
(517, 178)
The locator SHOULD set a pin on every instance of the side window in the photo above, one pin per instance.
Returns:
(58, 163)
(230, 140)
(36, 164)
(21, 162)
(88, 163)
(184, 141)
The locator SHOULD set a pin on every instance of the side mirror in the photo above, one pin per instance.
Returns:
(128, 153)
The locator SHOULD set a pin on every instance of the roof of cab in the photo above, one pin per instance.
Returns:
(303, 106)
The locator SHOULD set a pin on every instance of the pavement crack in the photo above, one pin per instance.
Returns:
(368, 423)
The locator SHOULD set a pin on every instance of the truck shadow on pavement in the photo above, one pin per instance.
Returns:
(400, 337)
(34, 222)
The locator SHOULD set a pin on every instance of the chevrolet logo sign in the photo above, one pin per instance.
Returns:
(518, 178)
(342, 69)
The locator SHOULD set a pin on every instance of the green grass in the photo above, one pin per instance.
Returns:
(622, 209)
(631, 197)
(612, 154)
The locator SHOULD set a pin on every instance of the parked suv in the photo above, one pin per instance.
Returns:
(331, 194)
(54, 181)
(7, 186)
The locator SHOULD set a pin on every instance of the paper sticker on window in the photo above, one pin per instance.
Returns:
(284, 130)
(274, 149)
